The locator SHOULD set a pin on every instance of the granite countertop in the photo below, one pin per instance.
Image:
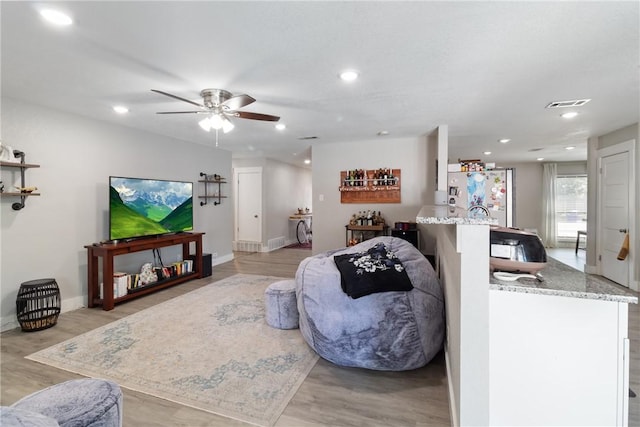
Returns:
(562, 280)
(445, 214)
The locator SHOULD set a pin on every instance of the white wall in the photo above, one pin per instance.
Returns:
(331, 216)
(285, 188)
(528, 194)
(77, 155)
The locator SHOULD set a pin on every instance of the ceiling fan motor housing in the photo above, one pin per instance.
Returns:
(213, 98)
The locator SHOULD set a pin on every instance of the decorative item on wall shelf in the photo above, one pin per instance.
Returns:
(22, 190)
(370, 186)
(214, 180)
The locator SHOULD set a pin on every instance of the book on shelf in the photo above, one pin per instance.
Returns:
(124, 283)
(133, 281)
(120, 281)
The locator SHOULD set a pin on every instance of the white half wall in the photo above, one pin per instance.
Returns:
(76, 157)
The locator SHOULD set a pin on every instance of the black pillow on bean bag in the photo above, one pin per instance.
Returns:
(373, 271)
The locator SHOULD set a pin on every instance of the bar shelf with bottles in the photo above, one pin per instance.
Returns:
(370, 186)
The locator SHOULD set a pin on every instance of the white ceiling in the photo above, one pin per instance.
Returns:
(485, 69)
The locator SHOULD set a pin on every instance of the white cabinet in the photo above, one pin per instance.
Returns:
(557, 360)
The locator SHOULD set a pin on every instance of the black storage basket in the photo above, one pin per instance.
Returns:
(38, 304)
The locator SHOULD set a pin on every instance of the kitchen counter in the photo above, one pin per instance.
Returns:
(501, 335)
(562, 280)
(445, 214)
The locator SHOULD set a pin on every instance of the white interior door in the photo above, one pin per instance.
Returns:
(614, 215)
(249, 207)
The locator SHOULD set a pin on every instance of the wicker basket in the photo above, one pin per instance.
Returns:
(38, 304)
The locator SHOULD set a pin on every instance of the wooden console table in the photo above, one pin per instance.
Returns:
(372, 230)
(108, 251)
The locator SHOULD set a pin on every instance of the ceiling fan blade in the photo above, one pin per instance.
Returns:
(177, 97)
(183, 112)
(237, 102)
(255, 116)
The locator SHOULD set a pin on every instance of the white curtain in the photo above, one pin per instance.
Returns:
(549, 175)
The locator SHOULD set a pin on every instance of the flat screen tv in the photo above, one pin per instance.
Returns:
(141, 207)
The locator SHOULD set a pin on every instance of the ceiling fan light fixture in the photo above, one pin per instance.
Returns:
(281, 126)
(216, 122)
(227, 126)
(205, 124)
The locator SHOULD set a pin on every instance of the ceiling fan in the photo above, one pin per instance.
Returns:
(219, 105)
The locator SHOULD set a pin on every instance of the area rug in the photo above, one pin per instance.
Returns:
(209, 349)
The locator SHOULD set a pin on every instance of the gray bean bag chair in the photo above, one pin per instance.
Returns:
(86, 402)
(383, 330)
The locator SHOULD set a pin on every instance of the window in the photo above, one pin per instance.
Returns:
(571, 206)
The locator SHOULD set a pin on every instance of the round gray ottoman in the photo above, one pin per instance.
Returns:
(86, 402)
(392, 331)
(281, 311)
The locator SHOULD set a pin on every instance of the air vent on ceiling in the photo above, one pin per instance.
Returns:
(304, 138)
(562, 104)
(533, 150)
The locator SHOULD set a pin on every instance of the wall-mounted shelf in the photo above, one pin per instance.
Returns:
(212, 180)
(22, 194)
(370, 188)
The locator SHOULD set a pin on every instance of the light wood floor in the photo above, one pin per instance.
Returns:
(330, 395)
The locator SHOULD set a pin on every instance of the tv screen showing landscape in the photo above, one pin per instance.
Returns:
(145, 207)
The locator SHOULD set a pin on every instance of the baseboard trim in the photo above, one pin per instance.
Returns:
(222, 259)
(590, 269)
(66, 304)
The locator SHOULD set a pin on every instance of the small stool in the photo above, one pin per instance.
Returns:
(281, 307)
(38, 304)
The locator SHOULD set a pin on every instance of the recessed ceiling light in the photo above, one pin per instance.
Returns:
(349, 75)
(307, 161)
(120, 109)
(56, 17)
(383, 133)
(486, 153)
(571, 147)
(540, 159)
(281, 126)
(504, 140)
(569, 115)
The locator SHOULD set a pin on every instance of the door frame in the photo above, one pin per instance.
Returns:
(626, 146)
(236, 210)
